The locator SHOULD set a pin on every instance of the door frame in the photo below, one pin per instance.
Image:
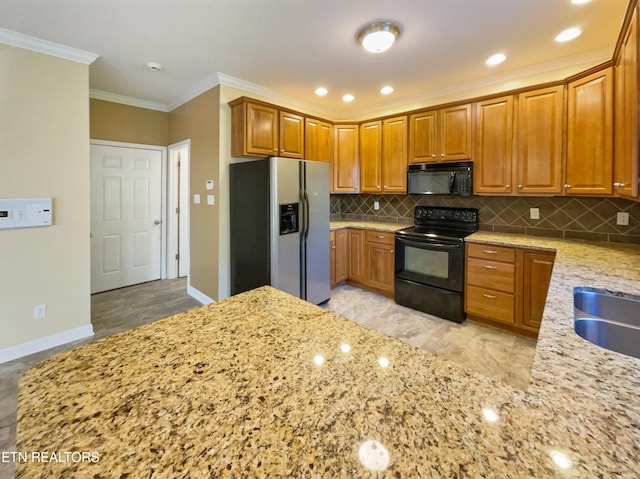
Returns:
(172, 202)
(163, 196)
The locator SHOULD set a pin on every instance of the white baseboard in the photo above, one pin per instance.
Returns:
(203, 298)
(40, 344)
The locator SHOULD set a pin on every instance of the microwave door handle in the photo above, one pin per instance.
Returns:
(452, 180)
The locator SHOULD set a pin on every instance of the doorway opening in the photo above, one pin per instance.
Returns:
(178, 210)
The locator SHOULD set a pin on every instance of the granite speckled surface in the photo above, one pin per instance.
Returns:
(233, 389)
(368, 225)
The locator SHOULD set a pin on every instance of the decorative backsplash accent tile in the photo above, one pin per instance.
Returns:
(585, 218)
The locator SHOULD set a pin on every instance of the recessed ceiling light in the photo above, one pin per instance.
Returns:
(321, 91)
(496, 59)
(568, 34)
(378, 37)
(385, 90)
(348, 98)
(579, 2)
(154, 67)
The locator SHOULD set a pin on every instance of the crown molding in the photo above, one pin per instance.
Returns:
(127, 100)
(38, 45)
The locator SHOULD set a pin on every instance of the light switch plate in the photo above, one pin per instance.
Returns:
(210, 200)
(196, 199)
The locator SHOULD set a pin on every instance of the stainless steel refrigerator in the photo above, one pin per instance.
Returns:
(279, 221)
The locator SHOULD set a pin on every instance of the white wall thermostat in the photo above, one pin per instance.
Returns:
(208, 184)
(25, 212)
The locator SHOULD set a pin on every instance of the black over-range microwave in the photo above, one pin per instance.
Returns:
(454, 178)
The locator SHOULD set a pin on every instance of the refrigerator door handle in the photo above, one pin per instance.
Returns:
(303, 230)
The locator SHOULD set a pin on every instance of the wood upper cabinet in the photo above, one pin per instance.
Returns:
(589, 169)
(494, 145)
(394, 155)
(371, 157)
(539, 139)
(318, 140)
(254, 129)
(440, 135)
(383, 156)
(291, 135)
(345, 168)
(625, 162)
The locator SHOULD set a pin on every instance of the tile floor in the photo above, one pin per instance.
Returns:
(491, 352)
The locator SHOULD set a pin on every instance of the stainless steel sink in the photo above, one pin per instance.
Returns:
(607, 319)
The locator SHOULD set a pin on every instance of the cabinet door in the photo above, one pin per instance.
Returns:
(342, 256)
(539, 141)
(536, 267)
(379, 266)
(291, 135)
(394, 155)
(371, 157)
(345, 169)
(625, 163)
(262, 130)
(317, 140)
(455, 133)
(423, 136)
(494, 145)
(590, 135)
(355, 238)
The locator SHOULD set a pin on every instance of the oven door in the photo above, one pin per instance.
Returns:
(439, 264)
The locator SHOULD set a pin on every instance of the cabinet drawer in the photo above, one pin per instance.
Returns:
(384, 237)
(488, 251)
(490, 304)
(491, 274)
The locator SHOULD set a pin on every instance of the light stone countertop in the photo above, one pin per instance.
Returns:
(232, 390)
(367, 225)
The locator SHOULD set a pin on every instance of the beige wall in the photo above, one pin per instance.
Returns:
(128, 124)
(44, 133)
(198, 120)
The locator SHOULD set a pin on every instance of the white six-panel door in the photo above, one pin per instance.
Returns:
(126, 231)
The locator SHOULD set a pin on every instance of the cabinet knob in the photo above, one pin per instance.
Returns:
(519, 187)
(619, 185)
(567, 186)
(276, 150)
(333, 247)
(391, 251)
(507, 186)
(433, 155)
(442, 155)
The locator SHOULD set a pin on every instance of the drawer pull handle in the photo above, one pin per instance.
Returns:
(489, 251)
(490, 296)
(380, 236)
(488, 266)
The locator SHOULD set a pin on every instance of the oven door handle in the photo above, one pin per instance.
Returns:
(426, 245)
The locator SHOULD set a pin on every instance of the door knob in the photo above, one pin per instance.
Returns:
(157, 222)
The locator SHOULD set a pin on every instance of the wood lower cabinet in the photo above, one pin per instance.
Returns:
(364, 258)
(379, 261)
(507, 286)
(345, 164)
(339, 256)
(589, 168)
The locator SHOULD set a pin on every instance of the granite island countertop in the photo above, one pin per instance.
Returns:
(261, 385)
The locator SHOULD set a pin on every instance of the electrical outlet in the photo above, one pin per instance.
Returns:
(622, 218)
(40, 311)
(534, 213)
(376, 205)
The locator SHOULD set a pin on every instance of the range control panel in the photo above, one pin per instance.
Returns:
(25, 212)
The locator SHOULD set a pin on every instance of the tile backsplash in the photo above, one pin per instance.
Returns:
(563, 216)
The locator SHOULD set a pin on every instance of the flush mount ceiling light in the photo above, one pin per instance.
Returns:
(154, 67)
(378, 37)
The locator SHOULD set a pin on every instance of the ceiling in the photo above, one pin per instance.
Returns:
(287, 48)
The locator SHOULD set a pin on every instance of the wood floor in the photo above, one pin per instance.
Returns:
(111, 312)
